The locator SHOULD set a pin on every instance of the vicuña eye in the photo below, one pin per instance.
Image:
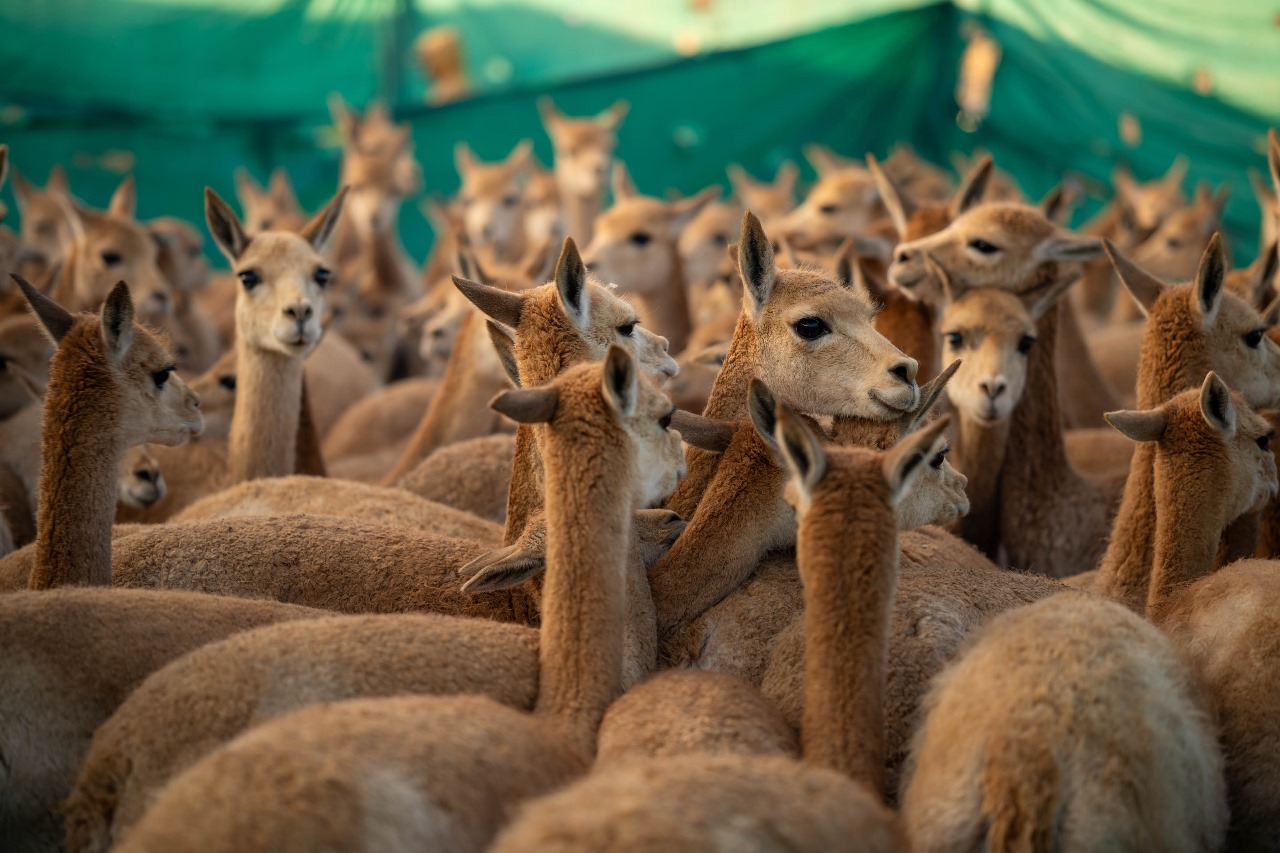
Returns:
(626, 329)
(828, 209)
(980, 245)
(1252, 339)
(110, 258)
(321, 276)
(228, 381)
(1025, 343)
(510, 201)
(937, 460)
(640, 238)
(249, 279)
(811, 328)
(161, 376)
(955, 340)
(1264, 441)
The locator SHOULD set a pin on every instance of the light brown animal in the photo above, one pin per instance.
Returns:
(274, 207)
(490, 199)
(583, 154)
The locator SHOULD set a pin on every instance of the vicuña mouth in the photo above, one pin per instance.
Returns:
(879, 398)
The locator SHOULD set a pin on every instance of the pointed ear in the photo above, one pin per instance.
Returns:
(502, 569)
(57, 182)
(802, 455)
(53, 319)
(704, 433)
(1271, 314)
(785, 253)
(903, 462)
(224, 225)
(973, 187)
(1177, 172)
(785, 179)
(321, 227)
(755, 263)
(124, 201)
(1207, 294)
(621, 183)
(1139, 425)
(683, 211)
(22, 190)
(540, 262)
(463, 160)
(528, 405)
(117, 322)
(343, 118)
(1058, 205)
(1038, 302)
(739, 179)
(494, 302)
(248, 190)
(950, 290)
(620, 381)
(281, 187)
(1261, 191)
(823, 160)
(571, 284)
(467, 264)
(1263, 280)
(1065, 246)
(900, 207)
(762, 407)
(505, 345)
(931, 392)
(1216, 405)
(1123, 183)
(551, 116)
(1144, 287)
(73, 215)
(521, 157)
(611, 119)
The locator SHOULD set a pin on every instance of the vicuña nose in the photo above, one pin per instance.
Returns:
(993, 387)
(300, 311)
(905, 370)
(903, 256)
(144, 475)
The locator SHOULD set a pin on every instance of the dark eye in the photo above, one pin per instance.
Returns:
(640, 238)
(627, 328)
(983, 246)
(161, 376)
(1264, 441)
(510, 201)
(955, 340)
(936, 461)
(1173, 243)
(45, 229)
(321, 276)
(110, 258)
(1025, 343)
(828, 209)
(249, 279)
(1254, 338)
(665, 420)
(228, 381)
(266, 225)
(810, 328)
(720, 239)
(377, 312)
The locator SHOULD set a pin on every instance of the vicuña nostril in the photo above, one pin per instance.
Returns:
(903, 257)
(903, 371)
(144, 475)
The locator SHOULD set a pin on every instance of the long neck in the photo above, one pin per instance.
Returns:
(524, 497)
(589, 519)
(580, 213)
(727, 402)
(1036, 429)
(459, 409)
(673, 305)
(1125, 572)
(1187, 530)
(264, 428)
(1164, 374)
(80, 466)
(978, 452)
(849, 582)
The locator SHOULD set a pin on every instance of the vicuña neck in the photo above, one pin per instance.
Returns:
(589, 520)
(264, 428)
(1163, 375)
(580, 212)
(978, 452)
(79, 469)
(849, 582)
(1187, 531)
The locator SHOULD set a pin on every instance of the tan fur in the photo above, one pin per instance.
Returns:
(768, 200)
(474, 476)
(44, 226)
(1066, 724)
(490, 194)
(25, 354)
(271, 208)
(580, 651)
(841, 204)
(583, 153)
(385, 417)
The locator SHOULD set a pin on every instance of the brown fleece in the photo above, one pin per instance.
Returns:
(474, 476)
(382, 419)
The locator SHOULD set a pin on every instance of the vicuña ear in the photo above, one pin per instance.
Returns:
(784, 181)
(621, 183)
(740, 179)
(117, 322)
(467, 265)
(520, 157)
(321, 227)
(755, 263)
(950, 290)
(1139, 425)
(55, 320)
(903, 462)
(683, 211)
(701, 432)
(494, 302)
(973, 187)
(124, 201)
(505, 345)
(1142, 285)
(801, 453)
(463, 159)
(1061, 201)
(1216, 406)
(1209, 281)
(1065, 246)
(224, 225)
(571, 284)
(528, 405)
(611, 119)
(1263, 283)
(621, 381)
(502, 569)
(895, 201)
(762, 407)
(248, 190)
(1038, 302)
(281, 187)
(823, 160)
(931, 391)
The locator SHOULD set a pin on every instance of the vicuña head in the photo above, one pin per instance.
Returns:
(283, 278)
(584, 146)
(492, 214)
(271, 208)
(378, 165)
